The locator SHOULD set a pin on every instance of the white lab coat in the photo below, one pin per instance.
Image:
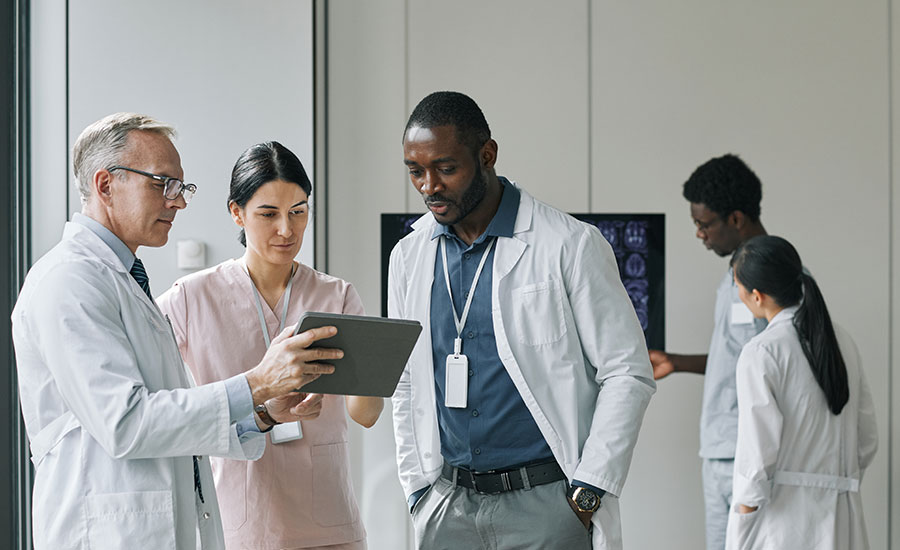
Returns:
(567, 335)
(110, 411)
(795, 460)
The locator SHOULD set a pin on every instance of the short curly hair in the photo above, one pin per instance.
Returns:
(724, 185)
(452, 109)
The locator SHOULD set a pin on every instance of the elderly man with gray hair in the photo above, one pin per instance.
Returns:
(119, 434)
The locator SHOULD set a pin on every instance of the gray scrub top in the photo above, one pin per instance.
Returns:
(719, 417)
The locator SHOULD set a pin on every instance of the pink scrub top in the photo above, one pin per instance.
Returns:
(299, 494)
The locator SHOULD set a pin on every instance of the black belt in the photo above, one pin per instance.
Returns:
(500, 481)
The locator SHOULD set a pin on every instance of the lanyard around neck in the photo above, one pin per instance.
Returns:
(259, 309)
(461, 323)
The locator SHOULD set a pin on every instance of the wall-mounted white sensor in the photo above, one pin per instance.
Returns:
(191, 254)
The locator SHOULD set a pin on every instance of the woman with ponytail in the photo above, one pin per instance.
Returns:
(806, 423)
(299, 494)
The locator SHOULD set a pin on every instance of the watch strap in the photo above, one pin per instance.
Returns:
(263, 413)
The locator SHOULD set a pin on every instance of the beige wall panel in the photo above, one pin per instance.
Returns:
(525, 63)
(366, 176)
(800, 91)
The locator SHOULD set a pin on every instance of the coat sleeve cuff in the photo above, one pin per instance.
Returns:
(600, 492)
(240, 400)
(750, 492)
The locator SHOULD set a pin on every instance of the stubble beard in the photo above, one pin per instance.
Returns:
(470, 200)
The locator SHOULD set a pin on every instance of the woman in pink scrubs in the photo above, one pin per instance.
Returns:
(299, 494)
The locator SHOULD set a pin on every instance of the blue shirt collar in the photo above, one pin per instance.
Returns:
(115, 243)
(504, 221)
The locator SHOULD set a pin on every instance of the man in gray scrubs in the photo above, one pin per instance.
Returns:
(724, 195)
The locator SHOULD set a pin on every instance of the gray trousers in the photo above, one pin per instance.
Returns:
(717, 476)
(449, 517)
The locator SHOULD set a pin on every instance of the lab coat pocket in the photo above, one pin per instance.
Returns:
(818, 505)
(333, 500)
(538, 313)
(121, 520)
(743, 532)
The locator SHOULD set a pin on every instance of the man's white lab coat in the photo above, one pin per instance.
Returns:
(110, 411)
(567, 335)
(795, 460)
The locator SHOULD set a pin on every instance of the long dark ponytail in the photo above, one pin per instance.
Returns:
(772, 266)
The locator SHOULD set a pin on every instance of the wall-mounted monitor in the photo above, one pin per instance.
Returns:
(638, 241)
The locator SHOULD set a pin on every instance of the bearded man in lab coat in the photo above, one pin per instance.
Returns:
(118, 434)
(517, 414)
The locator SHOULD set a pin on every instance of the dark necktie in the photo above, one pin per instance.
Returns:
(140, 276)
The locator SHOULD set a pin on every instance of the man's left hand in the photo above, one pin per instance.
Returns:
(585, 517)
(295, 406)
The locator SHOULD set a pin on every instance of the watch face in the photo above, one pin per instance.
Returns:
(586, 499)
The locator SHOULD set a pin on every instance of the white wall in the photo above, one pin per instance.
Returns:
(802, 94)
(226, 73)
(49, 165)
(610, 106)
(366, 114)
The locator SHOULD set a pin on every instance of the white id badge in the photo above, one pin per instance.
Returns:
(740, 314)
(456, 388)
(282, 433)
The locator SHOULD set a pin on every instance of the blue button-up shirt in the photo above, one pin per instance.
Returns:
(496, 429)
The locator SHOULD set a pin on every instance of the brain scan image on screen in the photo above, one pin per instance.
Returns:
(610, 230)
(636, 236)
(636, 266)
(637, 290)
(630, 245)
(637, 241)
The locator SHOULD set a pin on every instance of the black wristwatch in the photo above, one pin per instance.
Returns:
(585, 500)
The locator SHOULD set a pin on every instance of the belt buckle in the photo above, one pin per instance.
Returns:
(504, 482)
(483, 491)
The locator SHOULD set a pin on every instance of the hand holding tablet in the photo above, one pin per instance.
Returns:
(292, 363)
(375, 352)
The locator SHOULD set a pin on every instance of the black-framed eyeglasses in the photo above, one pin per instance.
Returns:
(173, 187)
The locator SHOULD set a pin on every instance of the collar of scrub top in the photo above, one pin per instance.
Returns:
(502, 224)
(114, 243)
(286, 297)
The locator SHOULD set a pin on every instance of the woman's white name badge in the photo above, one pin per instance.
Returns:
(283, 433)
(456, 387)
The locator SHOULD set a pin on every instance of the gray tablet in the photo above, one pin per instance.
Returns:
(375, 352)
